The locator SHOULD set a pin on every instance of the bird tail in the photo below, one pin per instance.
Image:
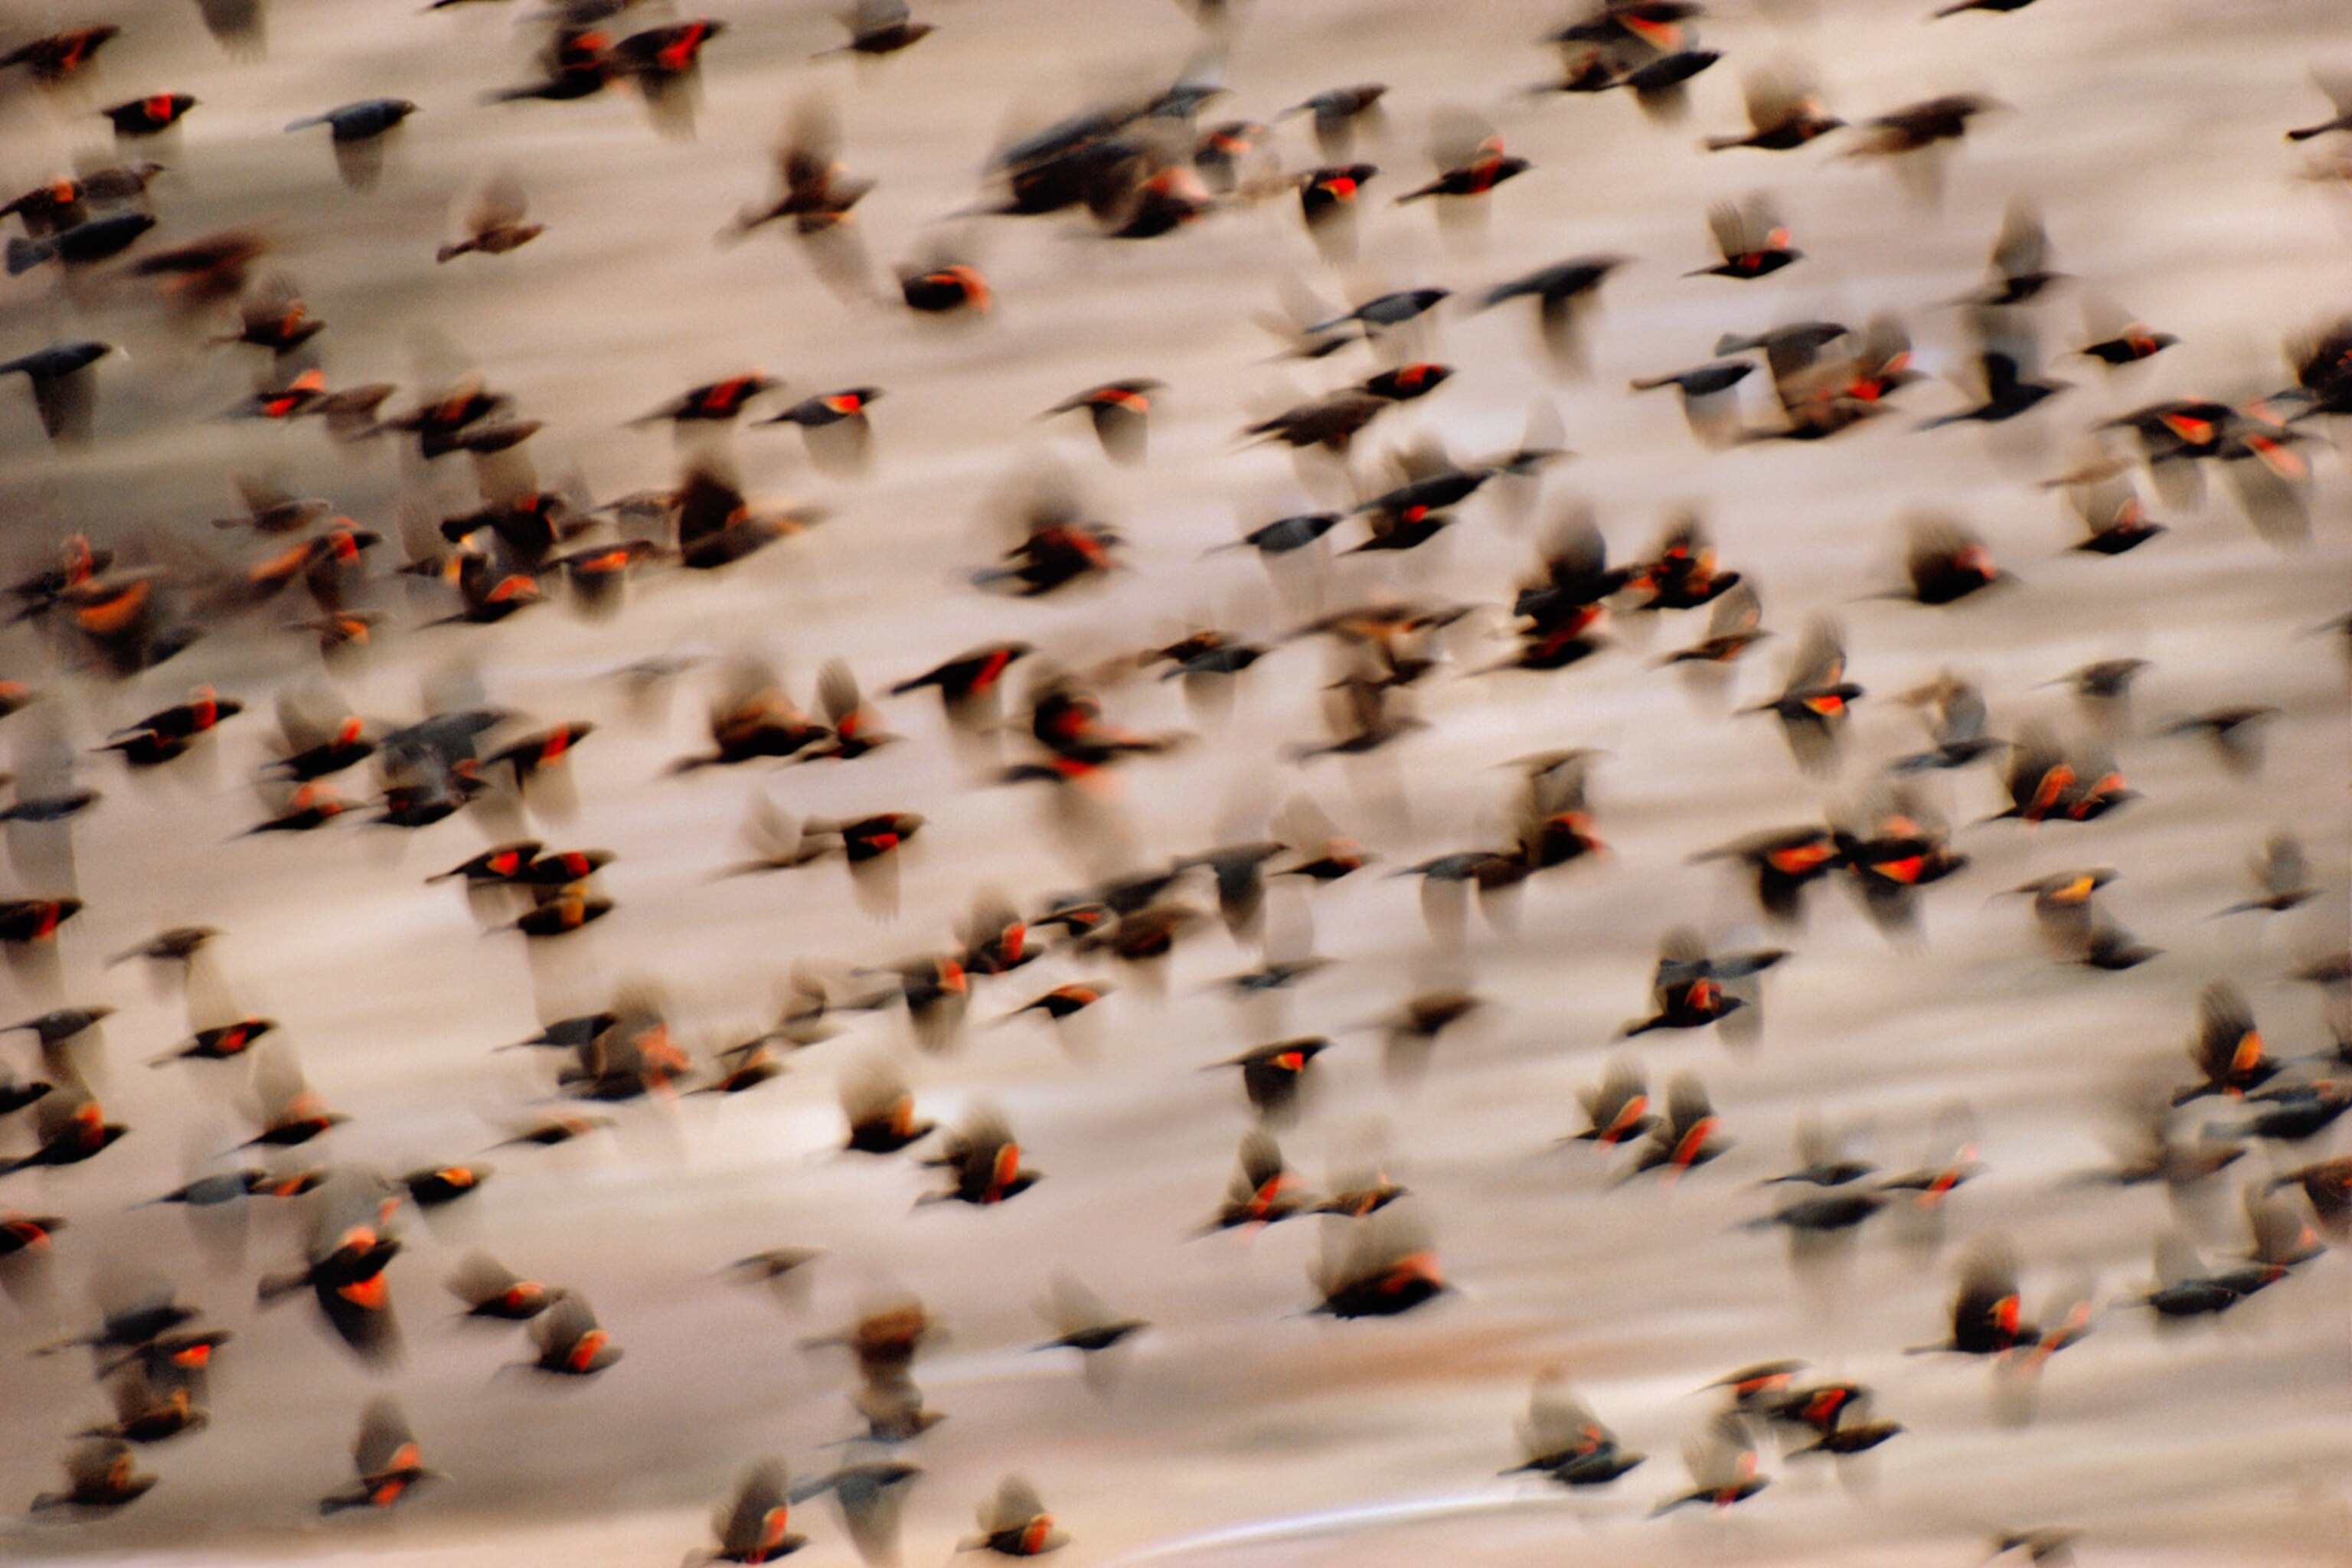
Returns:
(451, 252)
(305, 124)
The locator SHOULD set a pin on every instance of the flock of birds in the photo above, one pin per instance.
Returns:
(1142, 169)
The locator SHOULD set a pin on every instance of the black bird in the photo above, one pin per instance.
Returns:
(1565, 1442)
(1816, 699)
(1753, 240)
(1566, 294)
(2008, 360)
(357, 132)
(1784, 113)
(65, 386)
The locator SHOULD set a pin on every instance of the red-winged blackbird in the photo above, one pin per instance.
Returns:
(576, 63)
(1815, 698)
(569, 1342)
(272, 316)
(2009, 358)
(1326, 200)
(880, 1110)
(1120, 411)
(490, 220)
(222, 1042)
(2280, 874)
(983, 1162)
(1784, 113)
(1916, 127)
(165, 735)
(1722, 1465)
(1408, 382)
(493, 1292)
(71, 1126)
(54, 56)
(2117, 338)
(1564, 1442)
(2227, 1049)
(834, 424)
(1986, 1312)
(1686, 990)
(357, 132)
(1752, 238)
(1329, 422)
(1690, 1136)
(387, 1459)
(1378, 1267)
(100, 1478)
(2021, 259)
(556, 1129)
(343, 1265)
(1014, 1523)
(1897, 845)
(1618, 1107)
(2113, 517)
(719, 401)
(942, 290)
(147, 116)
(1083, 1321)
(878, 27)
(1470, 159)
(664, 65)
(755, 1527)
(435, 1185)
(1263, 1190)
(968, 683)
(717, 527)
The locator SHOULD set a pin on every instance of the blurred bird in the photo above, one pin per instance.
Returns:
(756, 1526)
(1014, 1523)
(357, 131)
(490, 220)
(983, 1162)
(386, 1453)
(1784, 113)
(1722, 1465)
(1752, 238)
(1564, 1442)
(1689, 1137)
(1815, 698)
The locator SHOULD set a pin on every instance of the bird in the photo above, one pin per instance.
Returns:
(1689, 1137)
(1753, 241)
(386, 1453)
(1014, 1523)
(148, 116)
(1565, 1442)
(1119, 412)
(490, 220)
(878, 28)
(756, 1526)
(356, 132)
(65, 386)
(1815, 698)
(1722, 1465)
(1784, 113)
